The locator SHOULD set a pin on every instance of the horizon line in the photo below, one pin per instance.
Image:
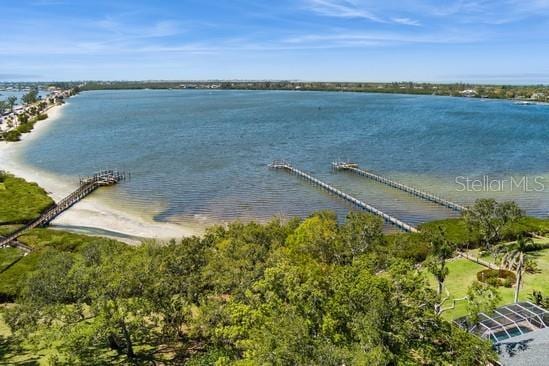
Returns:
(469, 82)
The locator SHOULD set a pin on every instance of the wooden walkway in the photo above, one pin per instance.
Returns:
(352, 167)
(87, 186)
(390, 219)
(478, 260)
(17, 244)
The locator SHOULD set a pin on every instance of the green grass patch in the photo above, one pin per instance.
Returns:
(463, 272)
(21, 201)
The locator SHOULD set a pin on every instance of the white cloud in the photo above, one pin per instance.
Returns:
(341, 9)
(356, 9)
(341, 39)
(419, 12)
(406, 21)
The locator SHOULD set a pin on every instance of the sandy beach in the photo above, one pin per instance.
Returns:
(91, 214)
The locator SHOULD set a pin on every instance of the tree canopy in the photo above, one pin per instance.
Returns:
(306, 292)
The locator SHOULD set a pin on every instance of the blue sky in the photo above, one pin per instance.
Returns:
(502, 41)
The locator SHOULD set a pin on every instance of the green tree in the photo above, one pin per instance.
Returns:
(301, 292)
(11, 102)
(177, 285)
(361, 233)
(23, 118)
(441, 250)
(514, 259)
(316, 237)
(3, 106)
(489, 218)
(77, 303)
(30, 97)
(481, 298)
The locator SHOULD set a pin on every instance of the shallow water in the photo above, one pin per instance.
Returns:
(202, 156)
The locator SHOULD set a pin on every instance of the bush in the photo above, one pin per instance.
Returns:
(497, 278)
(41, 117)
(456, 231)
(524, 226)
(537, 298)
(25, 127)
(13, 135)
(23, 118)
(21, 201)
(410, 246)
(507, 283)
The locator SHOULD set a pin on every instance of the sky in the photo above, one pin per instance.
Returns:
(487, 41)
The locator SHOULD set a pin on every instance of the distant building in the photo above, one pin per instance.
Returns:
(538, 96)
(469, 93)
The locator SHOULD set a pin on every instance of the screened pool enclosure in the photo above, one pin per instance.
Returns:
(508, 321)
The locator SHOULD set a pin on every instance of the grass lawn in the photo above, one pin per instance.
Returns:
(463, 273)
(21, 201)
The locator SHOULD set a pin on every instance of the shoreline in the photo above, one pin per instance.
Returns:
(91, 215)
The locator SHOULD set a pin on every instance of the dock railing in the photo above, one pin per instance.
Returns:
(354, 168)
(285, 165)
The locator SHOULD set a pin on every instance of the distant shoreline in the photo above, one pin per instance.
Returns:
(91, 213)
(517, 93)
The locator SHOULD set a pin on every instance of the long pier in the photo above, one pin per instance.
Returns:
(87, 186)
(390, 219)
(353, 167)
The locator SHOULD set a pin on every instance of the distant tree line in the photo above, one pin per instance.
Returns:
(527, 92)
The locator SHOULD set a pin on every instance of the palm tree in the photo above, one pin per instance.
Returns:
(514, 259)
(11, 102)
(3, 106)
(442, 249)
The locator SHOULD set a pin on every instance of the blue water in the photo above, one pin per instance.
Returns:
(202, 156)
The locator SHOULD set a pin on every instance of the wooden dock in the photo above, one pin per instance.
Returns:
(360, 204)
(17, 244)
(87, 186)
(353, 167)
